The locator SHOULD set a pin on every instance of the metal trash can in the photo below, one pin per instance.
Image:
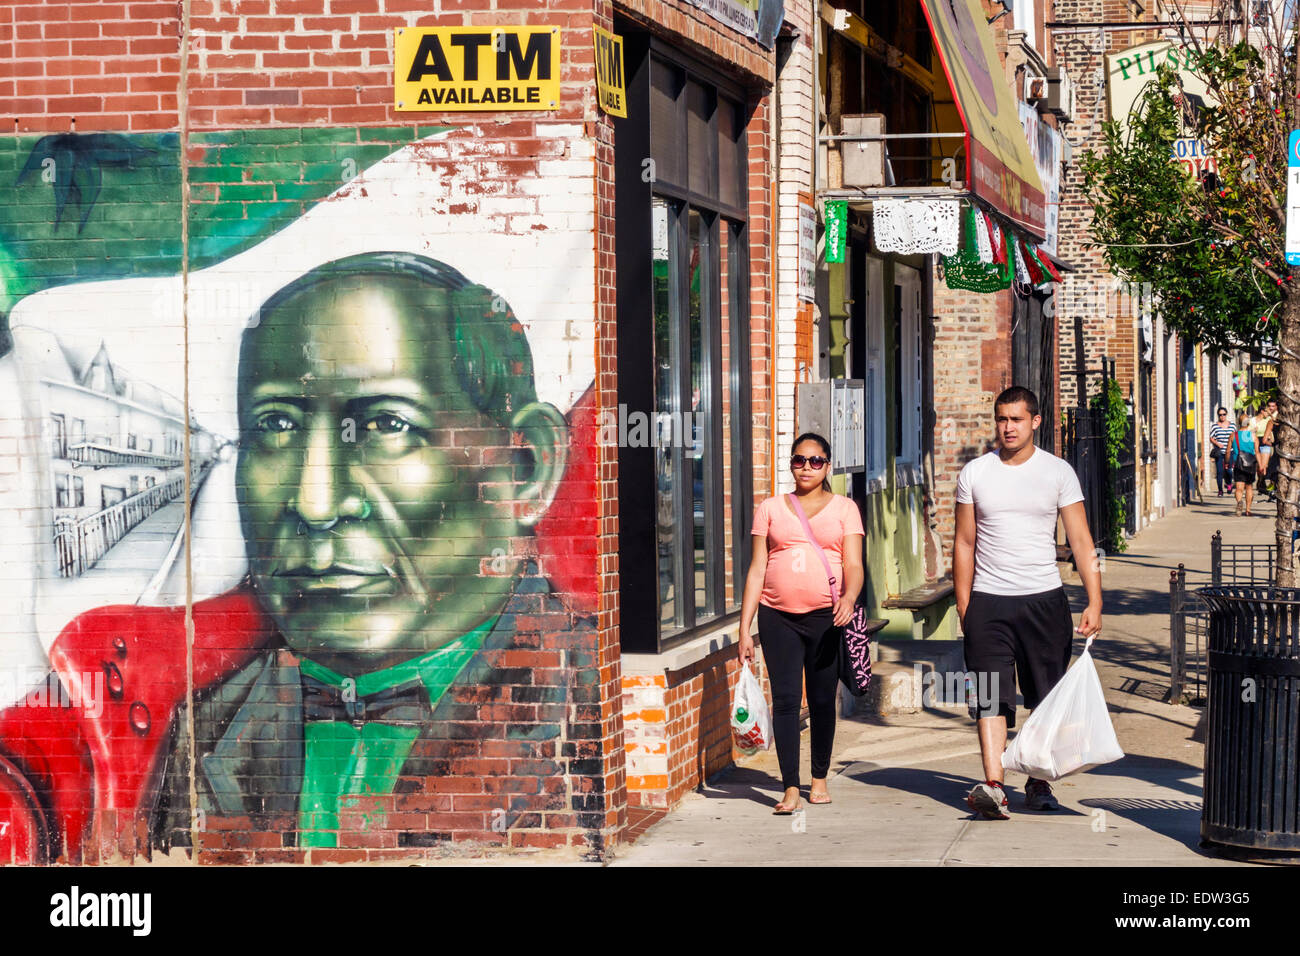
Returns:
(1252, 745)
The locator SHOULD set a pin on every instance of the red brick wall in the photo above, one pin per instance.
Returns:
(696, 30)
(133, 68)
(680, 727)
(614, 779)
(1091, 293)
(326, 65)
(972, 364)
(116, 66)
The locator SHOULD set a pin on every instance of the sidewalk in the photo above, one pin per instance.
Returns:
(899, 783)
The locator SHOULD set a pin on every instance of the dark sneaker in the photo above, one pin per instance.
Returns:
(988, 800)
(1038, 796)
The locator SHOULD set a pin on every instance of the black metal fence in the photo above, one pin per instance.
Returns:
(1240, 563)
(1243, 564)
(1188, 630)
(1083, 441)
(1083, 445)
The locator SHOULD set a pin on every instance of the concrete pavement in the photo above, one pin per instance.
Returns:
(899, 782)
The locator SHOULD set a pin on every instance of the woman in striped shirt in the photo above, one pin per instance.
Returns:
(1220, 436)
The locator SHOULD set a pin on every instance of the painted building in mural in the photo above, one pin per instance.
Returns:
(115, 447)
(387, 341)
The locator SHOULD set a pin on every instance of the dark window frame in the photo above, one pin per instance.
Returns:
(640, 618)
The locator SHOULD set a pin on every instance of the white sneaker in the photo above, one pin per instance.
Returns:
(989, 800)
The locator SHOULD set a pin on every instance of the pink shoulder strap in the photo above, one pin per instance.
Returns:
(807, 530)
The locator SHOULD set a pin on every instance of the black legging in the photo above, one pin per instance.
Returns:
(801, 651)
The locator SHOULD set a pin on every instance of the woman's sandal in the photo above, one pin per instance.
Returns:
(814, 798)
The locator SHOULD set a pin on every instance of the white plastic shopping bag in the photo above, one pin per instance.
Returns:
(1069, 731)
(751, 721)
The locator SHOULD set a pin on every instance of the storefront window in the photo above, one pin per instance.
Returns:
(700, 296)
(667, 498)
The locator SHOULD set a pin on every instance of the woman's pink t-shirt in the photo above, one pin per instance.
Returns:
(795, 581)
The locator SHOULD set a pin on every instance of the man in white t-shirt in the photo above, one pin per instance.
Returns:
(1013, 608)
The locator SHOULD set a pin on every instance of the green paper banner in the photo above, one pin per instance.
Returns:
(837, 227)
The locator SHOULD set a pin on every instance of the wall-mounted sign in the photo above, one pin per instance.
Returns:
(609, 72)
(837, 227)
(807, 252)
(1128, 73)
(1293, 199)
(476, 68)
(1001, 171)
(1045, 150)
(1196, 159)
(760, 19)
(1263, 376)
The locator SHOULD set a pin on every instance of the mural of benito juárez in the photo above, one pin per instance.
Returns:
(392, 452)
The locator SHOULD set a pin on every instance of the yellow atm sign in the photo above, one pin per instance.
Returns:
(476, 68)
(609, 72)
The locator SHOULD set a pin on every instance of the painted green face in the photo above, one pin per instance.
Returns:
(378, 505)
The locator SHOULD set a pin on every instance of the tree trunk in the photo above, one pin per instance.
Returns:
(1286, 439)
(1286, 443)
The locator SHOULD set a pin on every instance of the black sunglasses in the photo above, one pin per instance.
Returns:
(817, 461)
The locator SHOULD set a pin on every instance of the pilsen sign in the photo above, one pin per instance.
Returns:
(1130, 71)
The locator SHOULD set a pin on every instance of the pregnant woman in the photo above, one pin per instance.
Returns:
(799, 625)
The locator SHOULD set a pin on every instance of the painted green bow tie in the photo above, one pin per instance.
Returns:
(359, 731)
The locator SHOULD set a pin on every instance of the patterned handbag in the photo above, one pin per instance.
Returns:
(855, 644)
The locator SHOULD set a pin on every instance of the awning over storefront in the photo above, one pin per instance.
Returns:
(1000, 168)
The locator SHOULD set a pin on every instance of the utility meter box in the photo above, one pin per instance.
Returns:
(836, 411)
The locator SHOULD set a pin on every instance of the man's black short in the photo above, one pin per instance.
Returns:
(1029, 635)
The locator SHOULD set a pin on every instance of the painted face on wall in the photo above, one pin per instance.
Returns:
(379, 505)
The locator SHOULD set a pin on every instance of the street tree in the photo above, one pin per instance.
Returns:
(1212, 247)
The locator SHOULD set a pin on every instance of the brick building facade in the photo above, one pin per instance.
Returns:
(1102, 315)
(400, 547)
(478, 403)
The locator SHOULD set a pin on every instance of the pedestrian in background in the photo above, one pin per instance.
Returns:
(1264, 438)
(1244, 463)
(800, 628)
(1221, 437)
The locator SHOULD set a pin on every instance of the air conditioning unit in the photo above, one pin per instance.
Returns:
(1035, 88)
(864, 160)
(1060, 93)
